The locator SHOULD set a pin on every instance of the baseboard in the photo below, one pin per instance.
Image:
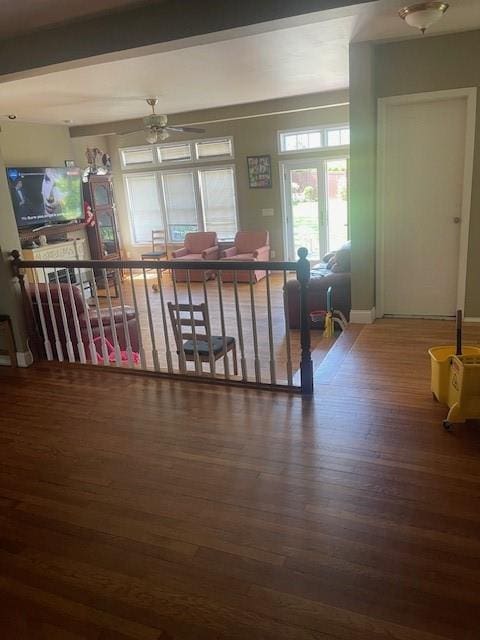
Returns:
(24, 359)
(471, 319)
(362, 316)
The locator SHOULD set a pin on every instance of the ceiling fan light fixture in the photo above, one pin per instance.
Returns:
(163, 135)
(151, 136)
(422, 15)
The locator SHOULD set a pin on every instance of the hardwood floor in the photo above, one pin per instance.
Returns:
(132, 507)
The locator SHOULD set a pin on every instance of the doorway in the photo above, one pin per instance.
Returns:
(424, 184)
(315, 195)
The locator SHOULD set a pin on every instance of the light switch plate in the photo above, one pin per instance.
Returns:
(268, 212)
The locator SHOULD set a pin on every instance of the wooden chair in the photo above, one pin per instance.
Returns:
(159, 250)
(209, 348)
(6, 331)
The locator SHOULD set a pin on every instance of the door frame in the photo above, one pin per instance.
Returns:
(470, 93)
(316, 161)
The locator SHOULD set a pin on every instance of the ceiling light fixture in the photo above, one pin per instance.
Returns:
(151, 136)
(424, 14)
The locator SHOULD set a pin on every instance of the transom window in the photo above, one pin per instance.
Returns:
(310, 139)
(177, 152)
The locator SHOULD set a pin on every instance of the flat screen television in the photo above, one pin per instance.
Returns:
(44, 196)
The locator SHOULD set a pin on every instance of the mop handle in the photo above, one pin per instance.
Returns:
(458, 351)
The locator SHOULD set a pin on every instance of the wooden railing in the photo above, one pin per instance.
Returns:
(106, 313)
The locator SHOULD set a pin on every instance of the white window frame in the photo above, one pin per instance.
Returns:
(161, 195)
(323, 136)
(193, 160)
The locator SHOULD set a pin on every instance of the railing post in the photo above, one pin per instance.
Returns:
(33, 337)
(306, 364)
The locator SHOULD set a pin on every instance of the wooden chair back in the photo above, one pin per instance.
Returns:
(159, 240)
(187, 319)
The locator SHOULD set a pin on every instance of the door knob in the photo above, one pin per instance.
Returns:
(457, 220)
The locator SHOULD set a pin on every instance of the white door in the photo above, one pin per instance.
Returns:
(423, 198)
(316, 206)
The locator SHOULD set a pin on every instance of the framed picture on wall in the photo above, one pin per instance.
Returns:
(259, 172)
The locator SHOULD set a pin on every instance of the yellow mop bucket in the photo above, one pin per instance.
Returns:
(456, 378)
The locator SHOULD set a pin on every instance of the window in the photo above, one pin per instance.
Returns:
(219, 148)
(218, 201)
(310, 139)
(144, 203)
(181, 201)
(174, 152)
(137, 156)
(192, 151)
(180, 204)
(338, 137)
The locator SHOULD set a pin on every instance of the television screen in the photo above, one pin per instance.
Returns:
(43, 196)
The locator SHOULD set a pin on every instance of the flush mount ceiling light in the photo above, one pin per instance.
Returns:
(423, 15)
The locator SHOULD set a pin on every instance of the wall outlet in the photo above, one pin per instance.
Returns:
(268, 212)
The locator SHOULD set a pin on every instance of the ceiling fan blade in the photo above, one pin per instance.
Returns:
(186, 129)
(125, 133)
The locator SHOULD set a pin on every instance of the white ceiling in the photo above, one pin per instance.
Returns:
(283, 60)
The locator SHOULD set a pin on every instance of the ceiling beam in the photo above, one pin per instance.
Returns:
(146, 25)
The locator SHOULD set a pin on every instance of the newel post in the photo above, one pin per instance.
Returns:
(33, 337)
(306, 364)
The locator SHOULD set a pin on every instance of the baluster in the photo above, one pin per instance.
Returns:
(143, 361)
(287, 331)
(273, 377)
(222, 321)
(76, 323)
(126, 331)
(306, 364)
(258, 376)
(91, 344)
(156, 364)
(164, 321)
(196, 356)
(113, 328)
(211, 355)
(66, 331)
(181, 352)
(243, 361)
(101, 329)
(53, 319)
(46, 339)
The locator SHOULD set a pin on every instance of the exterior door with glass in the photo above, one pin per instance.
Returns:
(316, 206)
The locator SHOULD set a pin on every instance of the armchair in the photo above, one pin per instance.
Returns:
(84, 314)
(201, 245)
(250, 246)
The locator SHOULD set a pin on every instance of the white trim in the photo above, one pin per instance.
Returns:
(470, 93)
(24, 359)
(472, 319)
(362, 316)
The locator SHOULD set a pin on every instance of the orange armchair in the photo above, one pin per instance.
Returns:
(201, 245)
(250, 246)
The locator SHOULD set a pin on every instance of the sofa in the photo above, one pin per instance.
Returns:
(84, 314)
(333, 271)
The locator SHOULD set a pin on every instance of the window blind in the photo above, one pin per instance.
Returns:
(145, 208)
(218, 201)
(180, 204)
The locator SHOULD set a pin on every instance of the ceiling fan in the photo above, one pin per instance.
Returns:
(156, 127)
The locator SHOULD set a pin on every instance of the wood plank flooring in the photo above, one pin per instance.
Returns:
(138, 508)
